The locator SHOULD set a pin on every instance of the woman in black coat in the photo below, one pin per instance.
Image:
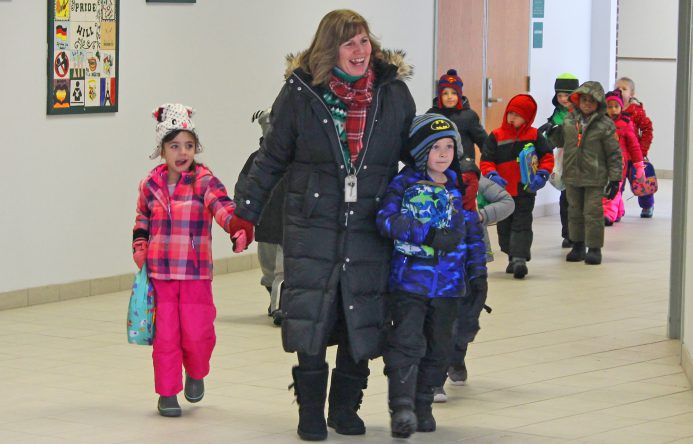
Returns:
(339, 126)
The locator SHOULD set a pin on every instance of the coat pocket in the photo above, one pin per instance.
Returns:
(312, 194)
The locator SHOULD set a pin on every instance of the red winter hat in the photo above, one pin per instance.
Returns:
(524, 105)
(450, 80)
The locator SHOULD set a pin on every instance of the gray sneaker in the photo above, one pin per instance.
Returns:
(458, 375)
(439, 395)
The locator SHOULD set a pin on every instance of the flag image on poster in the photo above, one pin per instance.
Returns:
(82, 74)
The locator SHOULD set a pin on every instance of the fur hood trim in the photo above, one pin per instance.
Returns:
(405, 71)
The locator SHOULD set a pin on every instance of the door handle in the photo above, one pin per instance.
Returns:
(491, 100)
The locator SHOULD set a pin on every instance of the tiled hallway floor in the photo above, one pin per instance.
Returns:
(573, 353)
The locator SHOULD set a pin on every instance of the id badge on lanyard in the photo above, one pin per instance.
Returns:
(350, 188)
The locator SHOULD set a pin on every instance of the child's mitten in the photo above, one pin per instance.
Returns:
(443, 239)
(139, 252)
(240, 242)
(237, 225)
(494, 176)
(611, 189)
(639, 171)
(538, 181)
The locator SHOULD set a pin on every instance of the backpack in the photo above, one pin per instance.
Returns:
(529, 162)
(426, 202)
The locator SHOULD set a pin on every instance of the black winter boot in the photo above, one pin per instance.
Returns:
(346, 393)
(424, 412)
(594, 256)
(194, 389)
(519, 267)
(168, 406)
(401, 389)
(310, 387)
(577, 254)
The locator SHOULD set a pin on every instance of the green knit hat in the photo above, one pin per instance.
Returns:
(566, 82)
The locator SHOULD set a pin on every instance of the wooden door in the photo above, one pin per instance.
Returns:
(461, 45)
(507, 55)
(501, 57)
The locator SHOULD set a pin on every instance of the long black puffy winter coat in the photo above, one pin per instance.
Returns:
(330, 245)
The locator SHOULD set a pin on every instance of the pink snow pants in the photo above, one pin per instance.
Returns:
(614, 208)
(184, 332)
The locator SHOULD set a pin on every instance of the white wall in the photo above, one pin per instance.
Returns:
(687, 314)
(561, 52)
(602, 42)
(69, 183)
(647, 54)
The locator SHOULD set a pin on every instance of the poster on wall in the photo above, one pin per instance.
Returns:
(82, 56)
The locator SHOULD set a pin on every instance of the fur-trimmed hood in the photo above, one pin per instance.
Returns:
(405, 71)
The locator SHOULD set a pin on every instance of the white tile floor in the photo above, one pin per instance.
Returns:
(573, 353)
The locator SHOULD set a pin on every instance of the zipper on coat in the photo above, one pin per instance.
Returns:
(194, 251)
(370, 133)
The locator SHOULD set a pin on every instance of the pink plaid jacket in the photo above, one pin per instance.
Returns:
(180, 226)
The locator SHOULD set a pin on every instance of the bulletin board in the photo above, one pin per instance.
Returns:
(82, 56)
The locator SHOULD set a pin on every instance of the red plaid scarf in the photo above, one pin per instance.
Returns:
(357, 97)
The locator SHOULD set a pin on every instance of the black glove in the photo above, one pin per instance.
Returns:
(479, 287)
(443, 239)
(611, 189)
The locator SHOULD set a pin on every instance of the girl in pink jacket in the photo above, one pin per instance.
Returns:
(630, 151)
(173, 233)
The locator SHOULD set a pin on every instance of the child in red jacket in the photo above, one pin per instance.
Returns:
(630, 150)
(499, 162)
(643, 129)
(173, 234)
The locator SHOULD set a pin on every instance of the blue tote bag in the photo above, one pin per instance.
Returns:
(141, 311)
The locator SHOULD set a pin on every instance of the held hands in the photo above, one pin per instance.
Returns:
(443, 239)
(611, 189)
(139, 252)
(240, 242)
(538, 181)
(639, 171)
(494, 176)
(241, 232)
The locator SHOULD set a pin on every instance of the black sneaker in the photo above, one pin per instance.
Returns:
(567, 243)
(608, 222)
(168, 406)
(510, 268)
(647, 213)
(194, 389)
(457, 374)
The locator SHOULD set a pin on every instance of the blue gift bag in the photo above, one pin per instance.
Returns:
(141, 311)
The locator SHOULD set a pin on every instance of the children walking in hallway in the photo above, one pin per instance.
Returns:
(564, 85)
(643, 129)
(592, 168)
(522, 179)
(173, 234)
(438, 246)
(630, 152)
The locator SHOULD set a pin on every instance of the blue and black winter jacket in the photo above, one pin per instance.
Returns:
(444, 274)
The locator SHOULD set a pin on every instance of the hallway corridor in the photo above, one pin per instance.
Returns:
(573, 353)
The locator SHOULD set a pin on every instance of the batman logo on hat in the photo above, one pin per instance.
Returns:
(440, 125)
